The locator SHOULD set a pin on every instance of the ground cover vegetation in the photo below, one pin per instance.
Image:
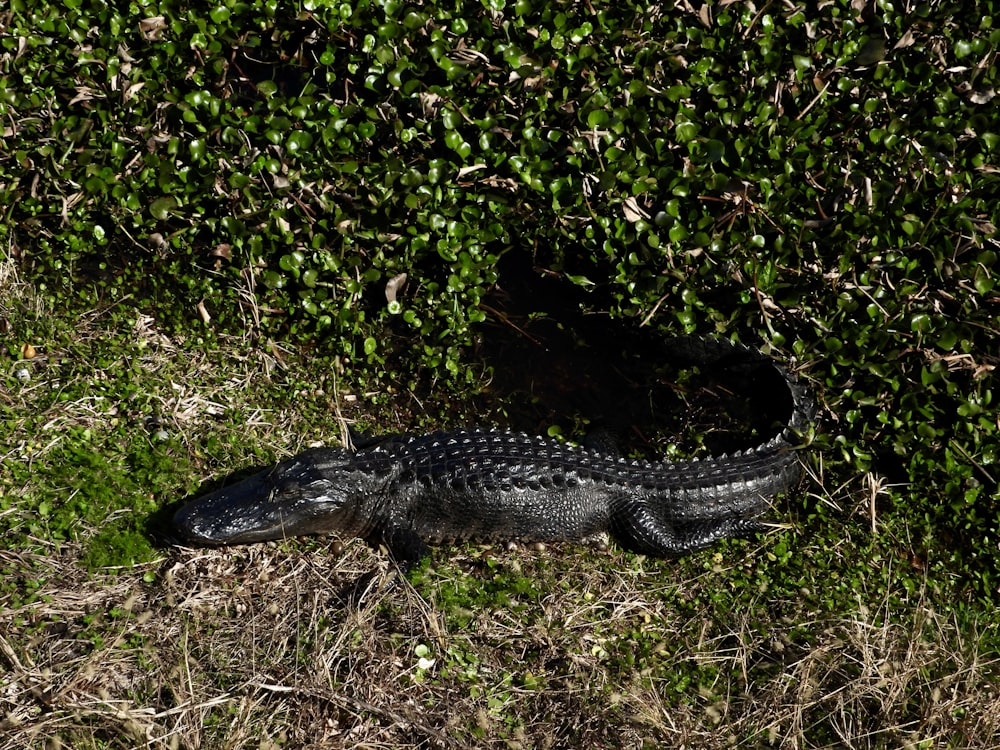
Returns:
(207, 218)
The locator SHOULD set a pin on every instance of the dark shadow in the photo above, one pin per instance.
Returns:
(556, 363)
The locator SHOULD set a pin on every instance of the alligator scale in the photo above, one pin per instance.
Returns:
(404, 491)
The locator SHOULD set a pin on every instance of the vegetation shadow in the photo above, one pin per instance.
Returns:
(558, 367)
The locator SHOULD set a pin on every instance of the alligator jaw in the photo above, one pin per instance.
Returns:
(306, 494)
(230, 515)
(262, 507)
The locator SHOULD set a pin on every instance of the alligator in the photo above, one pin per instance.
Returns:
(405, 491)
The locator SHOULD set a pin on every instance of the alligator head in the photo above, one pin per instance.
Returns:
(303, 495)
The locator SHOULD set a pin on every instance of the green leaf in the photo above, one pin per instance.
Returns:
(686, 131)
(160, 208)
(220, 14)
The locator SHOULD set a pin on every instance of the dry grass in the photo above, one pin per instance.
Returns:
(879, 683)
(254, 647)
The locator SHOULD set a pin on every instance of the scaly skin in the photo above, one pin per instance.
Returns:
(486, 484)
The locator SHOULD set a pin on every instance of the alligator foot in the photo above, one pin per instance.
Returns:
(637, 528)
(404, 545)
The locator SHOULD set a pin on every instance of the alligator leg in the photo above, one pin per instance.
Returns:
(636, 527)
(403, 543)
